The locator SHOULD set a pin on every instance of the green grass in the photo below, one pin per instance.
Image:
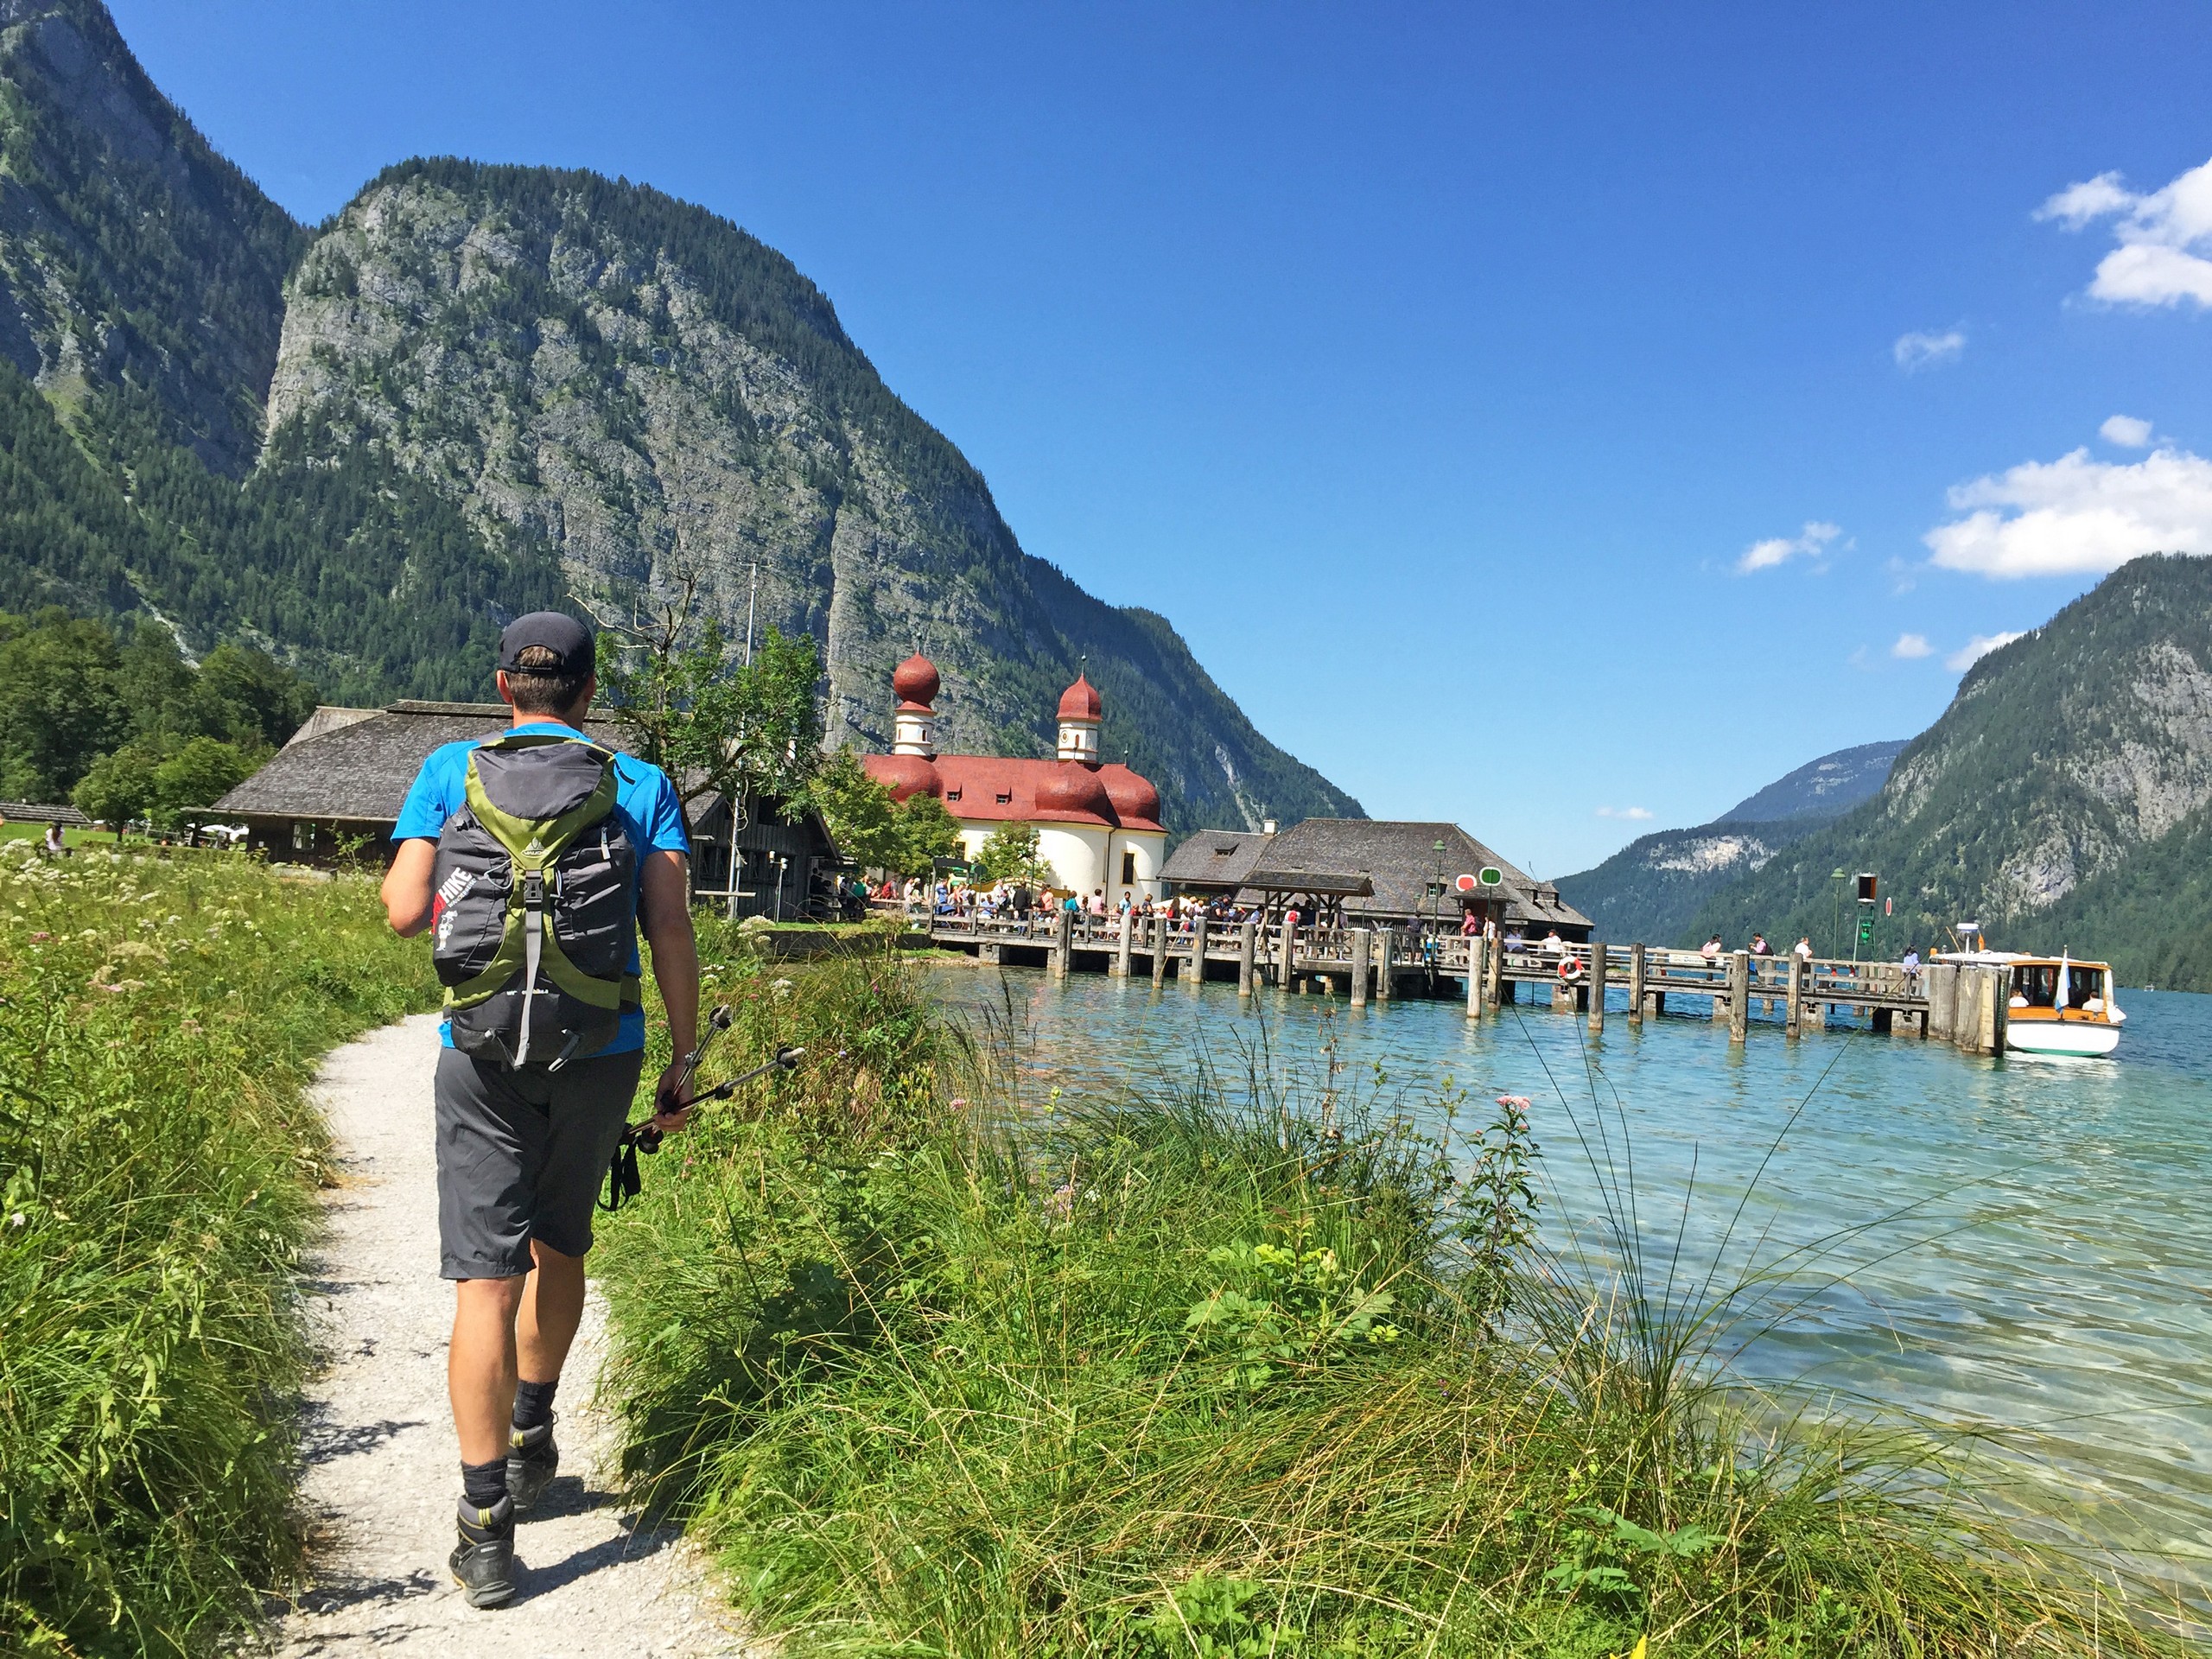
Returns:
(159, 1019)
(937, 1371)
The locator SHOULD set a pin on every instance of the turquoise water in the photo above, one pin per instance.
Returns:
(2044, 1267)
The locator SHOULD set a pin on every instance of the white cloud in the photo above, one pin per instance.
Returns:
(1808, 544)
(1637, 813)
(1977, 648)
(1918, 350)
(2126, 431)
(1911, 645)
(2075, 515)
(2162, 237)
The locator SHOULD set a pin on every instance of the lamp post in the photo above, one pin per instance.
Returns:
(1436, 894)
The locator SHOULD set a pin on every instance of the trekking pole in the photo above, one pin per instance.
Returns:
(623, 1181)
(717, 1022)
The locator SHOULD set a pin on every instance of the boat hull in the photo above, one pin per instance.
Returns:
(2056, 1037)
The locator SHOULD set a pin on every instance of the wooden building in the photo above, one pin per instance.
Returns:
(1375, 872)
(335, 791)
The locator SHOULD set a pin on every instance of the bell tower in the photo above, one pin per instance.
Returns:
(913, 721)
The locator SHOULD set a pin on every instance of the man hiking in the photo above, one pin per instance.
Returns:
(536, 855)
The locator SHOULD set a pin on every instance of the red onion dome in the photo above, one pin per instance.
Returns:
(1072, 787)
(1080, 701)
(906, 774)
(915, 680)
(1134, 797)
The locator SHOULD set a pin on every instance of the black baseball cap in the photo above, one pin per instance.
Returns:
(561, 634)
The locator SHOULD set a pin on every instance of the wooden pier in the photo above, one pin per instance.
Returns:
(1962, 1005)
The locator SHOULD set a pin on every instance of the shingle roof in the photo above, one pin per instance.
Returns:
(1215, 858)
(357, 771)
(1399, 858)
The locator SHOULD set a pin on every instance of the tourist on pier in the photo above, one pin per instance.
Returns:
(1470, 924)
(1711, 951)
(1099, 901)
(1803, 949)
(1760, 947)
(1513, 940)
(1911, 966)
(1553, 945)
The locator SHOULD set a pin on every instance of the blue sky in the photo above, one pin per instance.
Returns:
(1440, 371)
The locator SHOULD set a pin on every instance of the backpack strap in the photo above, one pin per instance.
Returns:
(528, 946)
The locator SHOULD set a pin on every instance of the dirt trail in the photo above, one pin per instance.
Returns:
(383, 1465)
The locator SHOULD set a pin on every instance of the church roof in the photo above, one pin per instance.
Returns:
(996, 789)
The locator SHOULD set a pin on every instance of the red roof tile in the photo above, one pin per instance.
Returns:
(971, 785)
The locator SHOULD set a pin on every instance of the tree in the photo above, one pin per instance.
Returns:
(1010, 855)
(60, 709)
(199, 772)
(739, 729)
(120, 785)
(247, 698)
(927, 833)
(872, 830)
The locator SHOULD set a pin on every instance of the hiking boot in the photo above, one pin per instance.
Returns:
(484, 1562)
(532, 1461)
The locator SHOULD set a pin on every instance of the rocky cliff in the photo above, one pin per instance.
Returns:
(478, 390)
(131, 255)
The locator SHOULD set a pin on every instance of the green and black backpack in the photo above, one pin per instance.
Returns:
(534, 923)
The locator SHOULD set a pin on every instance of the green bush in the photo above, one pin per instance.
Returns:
(159, 1021)
(1216, 1374)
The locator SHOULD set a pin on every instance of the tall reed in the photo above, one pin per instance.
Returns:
(159, 1021)
(1246, 1367)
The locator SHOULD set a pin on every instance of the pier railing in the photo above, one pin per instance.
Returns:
(1381, 963)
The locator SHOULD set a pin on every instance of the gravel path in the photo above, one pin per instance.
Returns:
(382, 1463)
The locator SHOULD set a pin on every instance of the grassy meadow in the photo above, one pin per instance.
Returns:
(938, 1371)
(159, 1020)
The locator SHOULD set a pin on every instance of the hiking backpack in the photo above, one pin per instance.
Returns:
(535, 918)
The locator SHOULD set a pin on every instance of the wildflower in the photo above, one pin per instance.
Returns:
(17, 1219)
(41, 936)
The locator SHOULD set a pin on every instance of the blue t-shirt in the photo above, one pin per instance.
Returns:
(650, 810)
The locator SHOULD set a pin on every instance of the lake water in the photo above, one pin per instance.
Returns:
(2050, 1274)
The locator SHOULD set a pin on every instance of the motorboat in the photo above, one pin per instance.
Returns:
(2056, 1005)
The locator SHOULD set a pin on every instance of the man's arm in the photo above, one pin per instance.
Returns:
(664, 915)
(407, 888)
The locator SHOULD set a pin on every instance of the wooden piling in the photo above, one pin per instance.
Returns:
(1286, 953)
(1121, 969)
(1494, 955)
(1383, 977)
(1196, 967)
(1793, 1016)
(1362, 946)
(1477, 973)
(1159, 950)
(1063, 941)
(1740, 995)
(1636, 984)
(1247, 951)
(1596, 988)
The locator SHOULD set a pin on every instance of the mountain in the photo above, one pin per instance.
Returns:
(1654, 887)
(481, 389)
(2062, 800)
(131, 254)
(1825, 788)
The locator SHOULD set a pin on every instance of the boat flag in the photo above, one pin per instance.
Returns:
(2065, 970)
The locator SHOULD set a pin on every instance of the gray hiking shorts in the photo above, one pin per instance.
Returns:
(523, 1155)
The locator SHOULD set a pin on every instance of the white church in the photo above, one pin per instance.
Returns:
(1097, 824)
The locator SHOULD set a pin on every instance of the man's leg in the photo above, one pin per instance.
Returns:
(552, 1307)
(481, 1363)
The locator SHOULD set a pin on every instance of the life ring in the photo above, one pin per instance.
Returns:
(1570, 968)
